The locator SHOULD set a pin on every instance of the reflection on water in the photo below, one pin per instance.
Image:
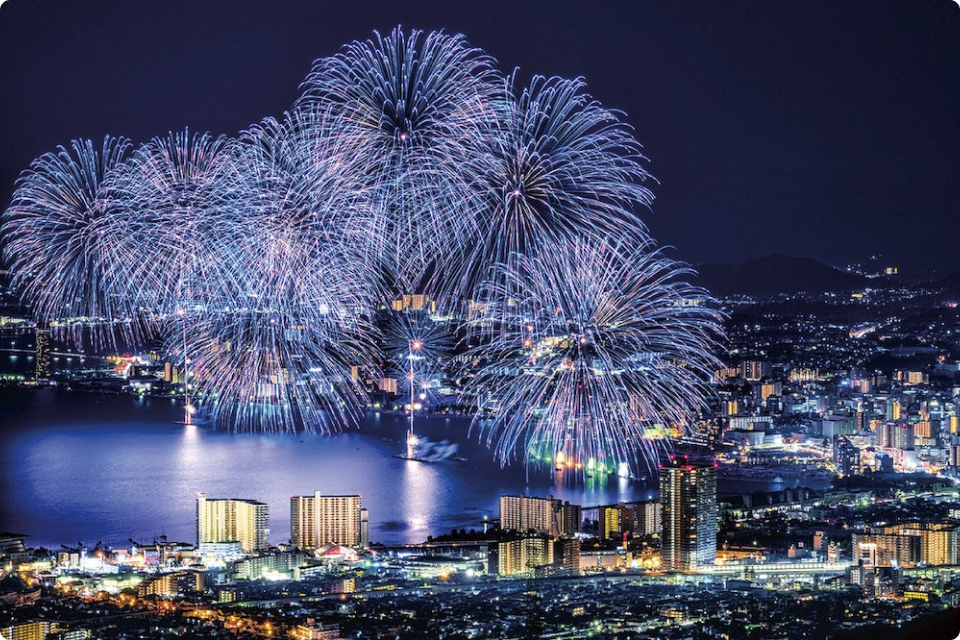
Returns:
(86, 467)
(418, 493)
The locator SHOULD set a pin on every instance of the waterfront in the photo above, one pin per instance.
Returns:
(86, 467)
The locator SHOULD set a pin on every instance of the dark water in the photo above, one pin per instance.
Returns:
(78, 466)
(17, 348)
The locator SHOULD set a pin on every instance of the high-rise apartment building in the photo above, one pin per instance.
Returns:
(570, 517)
(43, 354)
(318, 520)
(754, 370)
(908, 545)
(613, 521)
(688, 507)
(647, 516)
(846, 456)
(230, 520)
(524, 555)
(526, 513)
(540, 515)
(896, 435)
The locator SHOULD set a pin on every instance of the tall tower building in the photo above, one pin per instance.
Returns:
(42, 354)
(231, 520)
(688, 505)
(754, 370)
(318, 520)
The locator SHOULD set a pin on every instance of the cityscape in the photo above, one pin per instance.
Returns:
(413, 358)
(823, 479)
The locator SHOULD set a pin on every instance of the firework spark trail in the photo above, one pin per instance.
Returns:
(410, 163)
(416, 336)
(564, 168)
(168, 256)
(55, 240)
(596, 345)
(419, 109)
(280, 353)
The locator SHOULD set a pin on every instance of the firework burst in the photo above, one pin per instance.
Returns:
(562, 168)
(170, 253)
(56, 240)
(416, 346)
(419, 111)
(409, 163)
(280, 353)
(282, 363)
(593, 353)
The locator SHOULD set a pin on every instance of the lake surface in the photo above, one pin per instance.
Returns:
(82, 467)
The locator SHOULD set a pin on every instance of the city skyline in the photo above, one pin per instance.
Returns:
(823, 481)
(769, 130)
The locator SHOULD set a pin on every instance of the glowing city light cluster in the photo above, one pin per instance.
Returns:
(409, 163)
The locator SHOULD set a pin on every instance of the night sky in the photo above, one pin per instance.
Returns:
(820, 129)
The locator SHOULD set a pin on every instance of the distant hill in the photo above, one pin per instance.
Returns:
(779, 274)
(949, 283)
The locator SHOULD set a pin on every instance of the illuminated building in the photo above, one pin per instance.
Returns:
(43, 354)
(755, 370)
(34, 630)
(884, 550)
(569, 518)
(722, 375)
(709, 429)
(318, 520)
(171, 374)
(688, 508)
(768, 389)
(524, 555)
(846, 456)
(938, 544)
(547, 516)
(273, 565)
(912, 378)
(804, 375)
(566, 551)
(315, 631)
(907, 545)
(648, 517)
(244, 521)
(525, 513)
(414, 302)
(612, 518)
(220, 551)
(893, 410)
(954, 455)
(171, 584)
(389, 385)
(895, 436)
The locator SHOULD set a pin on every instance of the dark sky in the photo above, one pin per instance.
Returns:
(818, 128)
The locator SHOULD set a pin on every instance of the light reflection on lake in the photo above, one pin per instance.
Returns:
(87, 467)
